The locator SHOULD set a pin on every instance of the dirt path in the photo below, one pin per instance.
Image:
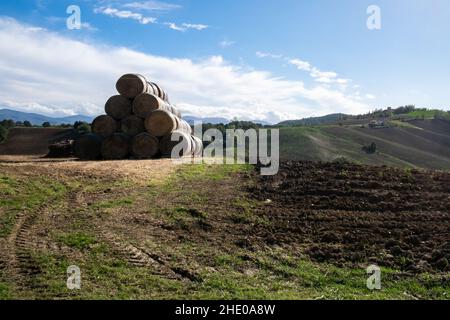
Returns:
(140, 171)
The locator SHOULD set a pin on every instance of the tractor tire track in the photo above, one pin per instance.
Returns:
(22, 264)
(133, 255)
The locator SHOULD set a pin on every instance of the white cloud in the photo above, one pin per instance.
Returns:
(152, 6)
(173, 26)
(46, 72)
(125, 14)
(260, 54)
(300, 64)
(370, 96)
(195, 26)
(186, 26)
(324, 77)
(142, 19)
(226, 43)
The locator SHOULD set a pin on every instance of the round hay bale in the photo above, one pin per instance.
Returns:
(118, 107)
(176, 138)
(146, 103)
(160, 92)
(152, 89)
(104, 126)
(132, 125)
(145, 146)
(197, 146)
(131, 85)
(88, 147)
(184, 126)
(176, 112)
(160, 123)
(116, 147)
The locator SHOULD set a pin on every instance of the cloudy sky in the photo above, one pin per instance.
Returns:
(255, 60)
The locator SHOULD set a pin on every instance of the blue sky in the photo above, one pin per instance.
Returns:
(267, 60)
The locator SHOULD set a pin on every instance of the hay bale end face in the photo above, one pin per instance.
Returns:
(118, 107)
(131, 85)
(145, 146)
(145, 103)
(88, 147)
(104, 126)
(160, 123)
(132, 125)
(115, 147)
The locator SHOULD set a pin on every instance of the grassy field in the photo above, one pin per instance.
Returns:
(428, 114)
(178, 236)
(402, 144)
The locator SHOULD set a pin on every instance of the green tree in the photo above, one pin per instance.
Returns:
(27, 124)
(3, 133)
(46, 124)
(8, 123)
(83, 127)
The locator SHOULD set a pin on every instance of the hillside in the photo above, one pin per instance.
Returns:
(419, 143)
(33, 141)
(313, 120)
(39, 119)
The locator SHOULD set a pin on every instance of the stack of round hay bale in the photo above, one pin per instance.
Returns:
(139, 123)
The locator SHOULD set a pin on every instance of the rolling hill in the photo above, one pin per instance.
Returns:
(34, 141)
(39, 119)
(418, 143)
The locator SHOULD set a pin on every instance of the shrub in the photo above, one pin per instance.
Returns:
(370, 149)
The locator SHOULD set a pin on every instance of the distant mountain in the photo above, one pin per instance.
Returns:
(38, 119)
(314, 120)
(212, 120)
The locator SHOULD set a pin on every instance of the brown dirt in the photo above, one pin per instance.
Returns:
(349, 214)
(140, 171)
(34, 141)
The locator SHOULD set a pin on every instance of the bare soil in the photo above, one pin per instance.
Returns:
(348, 214)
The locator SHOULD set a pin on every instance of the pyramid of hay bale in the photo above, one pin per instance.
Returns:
(140, 123)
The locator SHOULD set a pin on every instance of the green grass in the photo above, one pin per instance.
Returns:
(429, 114)
(77, 240)
(199, 173)
(24, 195)
(105, 275)
(113, 203)
(211, 172)
(403, 124)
